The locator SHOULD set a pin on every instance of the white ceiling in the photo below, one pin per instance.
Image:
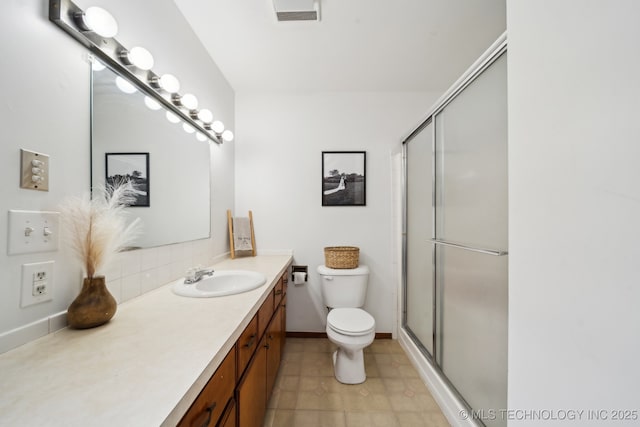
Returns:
(358, 45)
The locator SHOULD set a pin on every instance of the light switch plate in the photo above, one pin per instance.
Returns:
(33, 231)
(34, 170)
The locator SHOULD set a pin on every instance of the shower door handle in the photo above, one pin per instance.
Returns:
(469, 248)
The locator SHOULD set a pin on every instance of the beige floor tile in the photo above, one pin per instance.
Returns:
(287, 382)
(317, 419)
(386, 346)
(393, 359)
(317, 366)
(411, 402)
(320, 400)
(422, 419)
(290, 368)
(307, 394)
(283, 418)
(371, 419)
(294, 345)
(292, 355)
(417, 385)
(268, 418)
(371, 385)
(322, 384)
(394, 385)
(397, 371)
(281, 399)
(364, 401)
(315, 345)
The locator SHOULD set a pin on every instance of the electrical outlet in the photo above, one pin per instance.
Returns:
(37, 283)
(39, 288)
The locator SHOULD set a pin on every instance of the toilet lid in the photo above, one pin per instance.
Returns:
(350, 321)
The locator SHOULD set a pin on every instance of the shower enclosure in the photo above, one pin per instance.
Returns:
(455, 238)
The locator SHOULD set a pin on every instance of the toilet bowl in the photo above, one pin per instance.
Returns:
(351, 329)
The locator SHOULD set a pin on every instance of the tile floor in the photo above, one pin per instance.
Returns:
(306, 393)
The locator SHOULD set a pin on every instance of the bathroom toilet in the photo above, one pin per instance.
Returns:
(348, 326)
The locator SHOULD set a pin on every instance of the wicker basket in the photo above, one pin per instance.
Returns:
(341, 256)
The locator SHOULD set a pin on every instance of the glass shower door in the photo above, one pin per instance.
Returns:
(471, 240)
(419, 289)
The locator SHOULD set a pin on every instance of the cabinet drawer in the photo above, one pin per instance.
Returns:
(208, 407)
(285, 283)
(278, 291)
(247, 345)
(265, 313)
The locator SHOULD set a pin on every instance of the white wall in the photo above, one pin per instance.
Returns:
(574, 207)
(280, 140)
(45, 107)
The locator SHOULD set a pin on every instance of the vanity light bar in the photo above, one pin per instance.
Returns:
(64, 13)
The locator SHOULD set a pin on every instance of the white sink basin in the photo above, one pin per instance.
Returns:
(221, 283)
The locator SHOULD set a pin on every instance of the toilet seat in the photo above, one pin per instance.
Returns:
(351, 321)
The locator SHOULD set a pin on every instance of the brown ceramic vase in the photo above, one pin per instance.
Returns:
(94, 306)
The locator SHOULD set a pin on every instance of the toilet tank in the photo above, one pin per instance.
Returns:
(342, 288)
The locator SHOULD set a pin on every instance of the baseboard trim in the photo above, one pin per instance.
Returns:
(379, 335)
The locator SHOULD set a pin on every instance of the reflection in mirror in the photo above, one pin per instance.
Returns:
(174, 183)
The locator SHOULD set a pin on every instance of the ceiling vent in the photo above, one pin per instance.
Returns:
(297, 10)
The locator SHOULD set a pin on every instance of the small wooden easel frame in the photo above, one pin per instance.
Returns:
(253, 237)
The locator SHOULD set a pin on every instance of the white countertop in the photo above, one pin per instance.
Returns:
(143, 368)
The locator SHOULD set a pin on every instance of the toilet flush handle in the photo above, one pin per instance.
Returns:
(328, 277)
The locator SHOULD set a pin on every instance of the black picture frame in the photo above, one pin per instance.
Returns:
(132, 167)
(344, 178)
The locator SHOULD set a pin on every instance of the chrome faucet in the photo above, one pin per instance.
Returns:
(196, 274)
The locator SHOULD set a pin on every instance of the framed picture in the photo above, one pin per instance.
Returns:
(344, 178)
(132, 167)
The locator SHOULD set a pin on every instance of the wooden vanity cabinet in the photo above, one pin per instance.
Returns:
(252, 391)
(208, 407)
(251, 368)
(255, 386)
(274, 350)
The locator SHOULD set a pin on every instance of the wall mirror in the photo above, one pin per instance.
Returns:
(131, 135)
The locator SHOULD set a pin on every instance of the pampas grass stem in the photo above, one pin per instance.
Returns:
(97, 227)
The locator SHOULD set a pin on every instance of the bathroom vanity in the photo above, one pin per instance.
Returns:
(162, 360)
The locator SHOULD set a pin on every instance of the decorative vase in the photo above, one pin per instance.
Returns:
(94, 306)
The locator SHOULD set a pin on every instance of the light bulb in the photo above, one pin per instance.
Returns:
(189, 101)
(124, 85)
(100, 21)
(169, 83)
(188, 128)
(205, 116)
(227, 135)
(140, 57)
(201, 137)
(217, 126)
(151, 103)
(172, 117)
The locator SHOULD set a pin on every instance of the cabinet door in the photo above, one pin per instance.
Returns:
(265, 313)
(247, 345)
(278, 291)
(283, 323)
(229, 418)
(208, 407)
(273, 345)
(252, 390)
